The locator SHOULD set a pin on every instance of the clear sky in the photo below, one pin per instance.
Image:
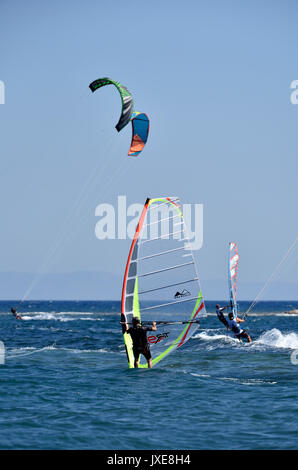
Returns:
(213, 76)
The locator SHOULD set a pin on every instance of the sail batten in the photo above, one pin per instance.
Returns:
(169, 285)
(177, 232)
(161, 220)
(160, 279)
(169, 303)
(160, 254)
(165, 269)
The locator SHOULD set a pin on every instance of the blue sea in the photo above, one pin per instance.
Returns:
(65, 383)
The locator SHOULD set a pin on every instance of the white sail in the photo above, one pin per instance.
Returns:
(161, 281)
(233, 273)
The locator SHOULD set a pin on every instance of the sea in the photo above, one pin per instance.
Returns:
(65, 383)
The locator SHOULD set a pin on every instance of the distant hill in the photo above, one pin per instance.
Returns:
(92, 285)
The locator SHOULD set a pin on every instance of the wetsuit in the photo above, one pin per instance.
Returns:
(239, 333)
(140, 342)
(221, 317)
(15, 314)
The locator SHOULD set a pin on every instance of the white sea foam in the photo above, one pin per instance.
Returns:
(61, 316)
(200, 375)
(277, 339)
(26, 351)
(247, 381)
(292, 313)
(205, 336)
(287, 314)
(242, 381)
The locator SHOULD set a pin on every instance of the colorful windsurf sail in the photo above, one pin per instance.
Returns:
(140, 131)
(126, 98)
(233, 273)
(161, 281)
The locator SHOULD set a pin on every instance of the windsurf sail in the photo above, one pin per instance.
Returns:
(233, 273)
(161, 281)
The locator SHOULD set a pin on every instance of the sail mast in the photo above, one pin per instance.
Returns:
(232, 274)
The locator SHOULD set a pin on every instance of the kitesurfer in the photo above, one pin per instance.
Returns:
(220, 315)
(15, 314)
(138, 334)
(235, 327)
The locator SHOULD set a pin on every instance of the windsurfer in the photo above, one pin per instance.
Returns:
(220, 315)
(138, 334)
(15, 314)
(235, 327)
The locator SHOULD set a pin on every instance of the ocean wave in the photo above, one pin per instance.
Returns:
(26, 351)
(200, 375)
(286, 314)
(241, 381)
(275, 338)
(205, 336)
(61, 316)
(264, 314)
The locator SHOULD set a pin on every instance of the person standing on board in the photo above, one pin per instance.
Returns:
(220, 315)
(138, 334)
(234, 325)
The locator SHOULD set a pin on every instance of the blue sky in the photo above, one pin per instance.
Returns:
(213, 76)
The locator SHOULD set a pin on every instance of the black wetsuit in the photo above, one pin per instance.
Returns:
(15, 314)
(221, 317)
(140, 342)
